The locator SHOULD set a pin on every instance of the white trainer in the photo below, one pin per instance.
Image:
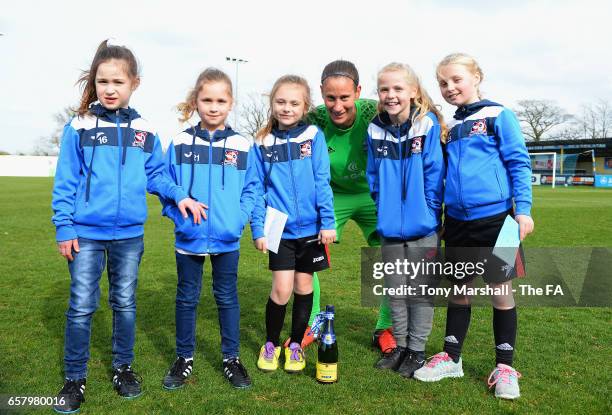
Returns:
(440, 366)
(505, 378)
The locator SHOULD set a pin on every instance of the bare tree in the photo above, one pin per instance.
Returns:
(603, 112)
(596, 119)
(586, 122)
(539, 117)
(50, 145)
(253, 114)
(570, 132)
(593, 121)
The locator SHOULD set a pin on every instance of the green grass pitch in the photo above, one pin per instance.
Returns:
(563, 353)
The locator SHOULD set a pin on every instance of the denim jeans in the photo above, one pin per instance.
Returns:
(122, 258)
(224, 285)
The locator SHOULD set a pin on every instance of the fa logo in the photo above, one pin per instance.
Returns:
(479, 127)
(383, 150)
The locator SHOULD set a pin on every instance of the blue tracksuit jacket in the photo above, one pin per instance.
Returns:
(293, 169)
(107, 162)
(219, 171)
(405, 172)
(488, 163)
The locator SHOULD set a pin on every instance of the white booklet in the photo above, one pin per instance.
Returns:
(274, 226)
(508, 241)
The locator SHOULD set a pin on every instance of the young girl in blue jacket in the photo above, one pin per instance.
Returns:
(109, 158)
(405, 172)
(489, 178)
(215, 165)
(293, 169)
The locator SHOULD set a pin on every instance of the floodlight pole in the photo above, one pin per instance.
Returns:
(237, 61)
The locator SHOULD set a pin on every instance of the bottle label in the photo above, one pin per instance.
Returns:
(329, 338)
(327, 372)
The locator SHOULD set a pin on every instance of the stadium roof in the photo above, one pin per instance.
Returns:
(599, 144)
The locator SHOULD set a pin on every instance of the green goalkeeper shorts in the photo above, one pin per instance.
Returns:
(359, 207)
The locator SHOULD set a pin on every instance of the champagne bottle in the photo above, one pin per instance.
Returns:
(327, 358)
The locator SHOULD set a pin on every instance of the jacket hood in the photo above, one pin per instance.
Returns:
(383, 121)
(465, 111)
(217, 135)
(123, 114)
(291, 133)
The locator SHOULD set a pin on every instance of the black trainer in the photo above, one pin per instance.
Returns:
(412, 362)
(393, 359)
(70, 398)
(178, 373)
(235, 373)
(126, 382)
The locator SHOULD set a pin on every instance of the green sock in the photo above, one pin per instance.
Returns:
(316, 298)
(384, 315)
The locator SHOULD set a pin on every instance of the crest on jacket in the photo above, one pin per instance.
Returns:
(231, 158)
(417, 145)
(306, 149)
(479, 127)
(140, 137)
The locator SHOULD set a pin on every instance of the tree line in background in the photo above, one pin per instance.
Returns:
(545, 120)
(540, 120)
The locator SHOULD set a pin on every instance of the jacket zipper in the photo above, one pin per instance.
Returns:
(295, 195)
(459, 169)
(499, 187)
(210, 141)
(399, 140)
(120, 147)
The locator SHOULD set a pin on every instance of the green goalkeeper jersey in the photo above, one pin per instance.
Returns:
(347, 147)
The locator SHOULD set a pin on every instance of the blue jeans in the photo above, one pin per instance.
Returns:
(122, 258)
(224, 285)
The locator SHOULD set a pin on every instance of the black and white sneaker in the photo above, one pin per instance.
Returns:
(70, 398)
(127, 382)
(393, 359)
(412, 362)
(236, 373)
(178, 373)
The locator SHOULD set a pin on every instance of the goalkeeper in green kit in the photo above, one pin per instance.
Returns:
(344, 119)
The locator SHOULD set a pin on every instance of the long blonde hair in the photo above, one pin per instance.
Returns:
(189, 106)
(286, 79)
(422, 100)
(465, 60)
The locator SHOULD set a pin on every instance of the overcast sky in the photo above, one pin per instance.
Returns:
(557, 50)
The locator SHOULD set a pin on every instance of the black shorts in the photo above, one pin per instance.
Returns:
(302, 255)
(473, 241)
